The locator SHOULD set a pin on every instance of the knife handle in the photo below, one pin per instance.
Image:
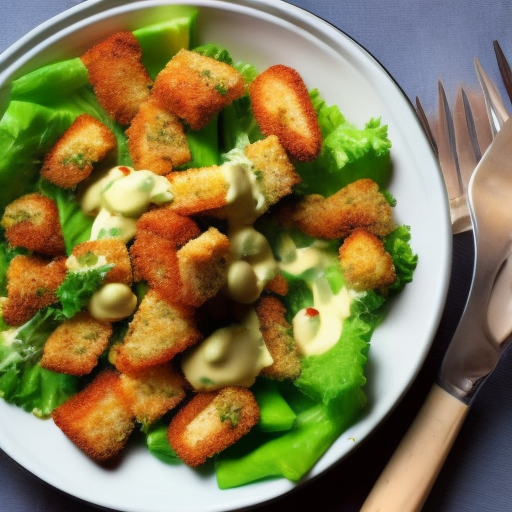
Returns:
(411, 472)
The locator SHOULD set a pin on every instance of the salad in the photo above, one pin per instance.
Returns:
(295, 414)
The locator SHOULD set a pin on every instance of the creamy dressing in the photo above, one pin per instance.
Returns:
(112, 302)
(318, 328)
(252, 263)
(119, 197)
(230, 356)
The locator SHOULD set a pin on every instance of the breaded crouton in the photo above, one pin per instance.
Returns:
(83, 144)
(119, 79)
(198, 190)
(32, 283)
(282, 107)
(359, 204)
(211, 422)
(203, 266)
(195, 87)
(32, 221)
(366, 264)
(75, 345)
(159, 330)
(114, 251)
(278, 337)
(276, 173)
(278, 285)
(155, 261)
(166, 223)
(98, 419)
(157, 140)
(153, 391)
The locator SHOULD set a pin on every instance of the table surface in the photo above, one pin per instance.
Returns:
(417, 42)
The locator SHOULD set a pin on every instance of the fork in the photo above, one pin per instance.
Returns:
(480, 339)
(459, 151)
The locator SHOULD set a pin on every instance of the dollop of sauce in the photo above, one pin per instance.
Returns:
(252, 265)
(252, 262)
(230, 356)
(112, 302)
(118, 197)
(318, 328)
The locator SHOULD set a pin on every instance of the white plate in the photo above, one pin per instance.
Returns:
(261, 32)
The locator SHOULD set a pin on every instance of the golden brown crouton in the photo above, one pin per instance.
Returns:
(203, 266)
(114, 251)
(366, 264)
(198, 190)
(97, 419)
(155, 261)
(153, 391)
(195, 87)
(32, 282)
(211, 422)
(159, 330)
(32, 221)
(278, 337)
(75, 345)
(276, 174)
(282, 107)
(359, 204)
(166, 223)
(278, 285)
(157, 140)
(119, 79)
(71, 160)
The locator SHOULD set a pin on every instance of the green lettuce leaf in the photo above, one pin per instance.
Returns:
(77, 289)
(76, 225)
(348, 153)
(161, 41)
(23, 382)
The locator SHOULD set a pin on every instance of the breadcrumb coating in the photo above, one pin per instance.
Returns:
(76, 344)
(278, 336)
(282, 106)
(211, 422)
(97, 419)
(32, 221)
(119, 79)
(365, 263)
(71, 160)
(159, 330)
(195, 87)
(277, 175)
(157, 140)
(198, 190)
(32, 283)
(151, 392)
(359, 204)
(166, 223)
(114, 251)
(203, 267)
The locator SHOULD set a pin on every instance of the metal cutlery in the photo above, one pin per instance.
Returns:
(483, 332)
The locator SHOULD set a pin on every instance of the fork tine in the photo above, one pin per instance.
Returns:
(465, 139)
(496, 111)
(450, 166)
(506, 74)
(447, 147)
(426, 126)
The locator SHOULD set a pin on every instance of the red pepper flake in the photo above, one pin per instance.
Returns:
(312, 312)
(125, 170)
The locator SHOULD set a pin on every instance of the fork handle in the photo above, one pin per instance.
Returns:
(412, 470)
